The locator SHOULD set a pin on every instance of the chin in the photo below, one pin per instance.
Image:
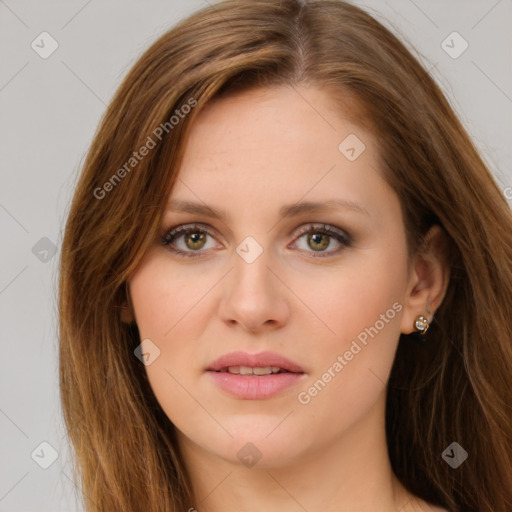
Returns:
(254, 441)
(260, 452)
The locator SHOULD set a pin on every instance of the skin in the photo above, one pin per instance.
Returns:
(250, 154)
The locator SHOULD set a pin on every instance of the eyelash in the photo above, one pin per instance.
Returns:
(174, 233)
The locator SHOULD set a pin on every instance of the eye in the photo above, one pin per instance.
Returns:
(189, 240)
(319, 237)
(193, 239)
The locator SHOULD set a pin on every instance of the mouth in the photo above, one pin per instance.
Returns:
(254, 376)
(254, 370)
(262, 363)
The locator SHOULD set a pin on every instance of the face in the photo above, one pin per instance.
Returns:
(315, 293)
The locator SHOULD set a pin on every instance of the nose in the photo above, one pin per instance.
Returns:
(254, 297)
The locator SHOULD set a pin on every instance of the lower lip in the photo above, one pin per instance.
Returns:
(255, 387)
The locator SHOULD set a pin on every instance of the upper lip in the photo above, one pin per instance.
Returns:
(260, 359)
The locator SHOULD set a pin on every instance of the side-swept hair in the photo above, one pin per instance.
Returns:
(456, 388)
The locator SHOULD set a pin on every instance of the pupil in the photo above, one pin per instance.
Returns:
(314, 238)
(195, 238)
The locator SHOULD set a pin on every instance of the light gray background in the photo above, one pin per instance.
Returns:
(50, 109)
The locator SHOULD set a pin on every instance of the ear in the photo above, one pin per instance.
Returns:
(127, 313)
(430, 274)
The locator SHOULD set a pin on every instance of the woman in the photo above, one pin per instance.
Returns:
(286, 279)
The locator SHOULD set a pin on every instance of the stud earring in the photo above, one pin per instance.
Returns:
(421, 324)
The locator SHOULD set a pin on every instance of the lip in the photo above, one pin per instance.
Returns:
(259, 359)
(254, 387)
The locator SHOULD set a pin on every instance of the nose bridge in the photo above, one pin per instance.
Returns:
(253, 295)
(251, 276)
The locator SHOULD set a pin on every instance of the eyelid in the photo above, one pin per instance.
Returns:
(184, 228)
(340, 235)
(323, 227)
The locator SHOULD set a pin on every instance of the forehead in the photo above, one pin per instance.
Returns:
(276, 116)
(262, 146)
(269, 123)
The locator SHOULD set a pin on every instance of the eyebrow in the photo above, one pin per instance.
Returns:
(290, 210)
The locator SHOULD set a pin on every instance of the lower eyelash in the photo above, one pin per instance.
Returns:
(173, 234)
(324, 229)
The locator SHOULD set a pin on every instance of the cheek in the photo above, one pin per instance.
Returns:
(363, 307)
(169, 312)
(163, 295)
(355, 297)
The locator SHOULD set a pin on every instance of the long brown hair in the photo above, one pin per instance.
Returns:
(455, 388)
